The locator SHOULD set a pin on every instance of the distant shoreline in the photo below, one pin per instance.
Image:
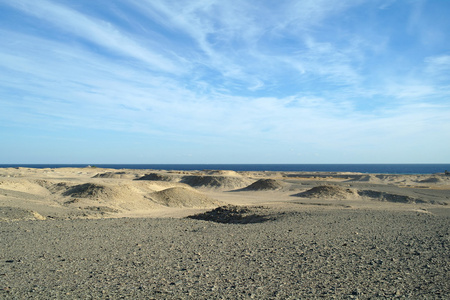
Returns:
(359, 168)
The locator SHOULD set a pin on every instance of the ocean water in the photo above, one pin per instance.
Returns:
(363, 168)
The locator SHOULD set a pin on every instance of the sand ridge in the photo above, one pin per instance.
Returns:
(216, 181)
(264, 185)
(183, 197)
(329, 192)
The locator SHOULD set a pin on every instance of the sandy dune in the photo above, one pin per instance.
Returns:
(94, 193)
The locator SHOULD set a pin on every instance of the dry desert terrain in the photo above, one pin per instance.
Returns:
(159, 234)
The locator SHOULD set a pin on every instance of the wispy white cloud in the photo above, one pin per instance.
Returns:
(410, 91)
(386, 4)
(216, 28)
(97, 31)
(327, 63)
(438, 65)
(266, 77)
(232, 38)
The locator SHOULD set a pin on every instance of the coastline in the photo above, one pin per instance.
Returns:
(422, 168)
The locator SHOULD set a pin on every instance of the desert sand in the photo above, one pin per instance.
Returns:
(161, 234)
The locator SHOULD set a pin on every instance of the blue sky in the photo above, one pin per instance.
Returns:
(160, 81)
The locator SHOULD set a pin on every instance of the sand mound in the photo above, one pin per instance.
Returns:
(182, 197)
(37, 187)
(226, 182)
(160, 177)
(119, 175)
(381, 178)
(16, 214)
(59, 187)
(431, 180)
(89, 190)
(235, 215)
(221, 173)
(110, 198)
(383, 196)
(367, 178)
(328, 192)
(390, 178)
(264, 185)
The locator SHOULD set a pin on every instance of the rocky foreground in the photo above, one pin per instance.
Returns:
(230, 253)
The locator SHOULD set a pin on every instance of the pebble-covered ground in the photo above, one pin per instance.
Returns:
(326, 253)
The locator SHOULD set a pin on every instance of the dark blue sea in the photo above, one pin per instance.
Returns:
(363, 168)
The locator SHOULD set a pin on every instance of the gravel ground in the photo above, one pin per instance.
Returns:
(332, 253)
